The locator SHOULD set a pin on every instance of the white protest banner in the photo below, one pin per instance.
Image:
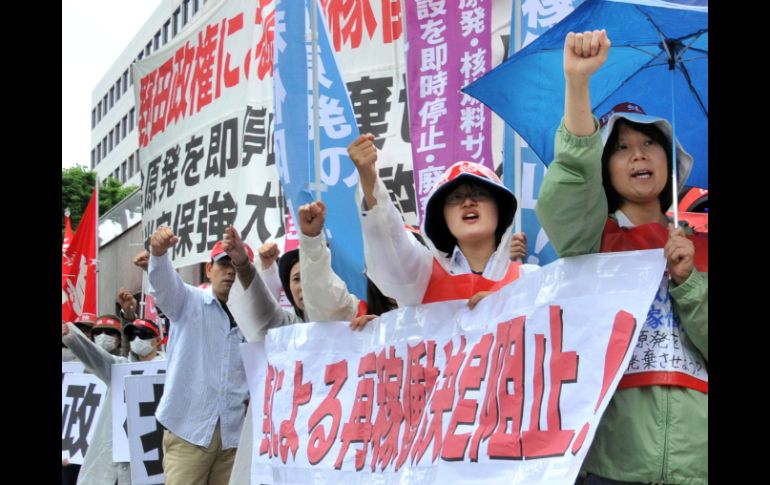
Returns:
(510, 392)
(120, 450)
(145, 434)
(82, 399)
(204, 121)
(205, 117)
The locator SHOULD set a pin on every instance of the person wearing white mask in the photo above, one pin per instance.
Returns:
(144, 338)
(107, 333)
(98, 357)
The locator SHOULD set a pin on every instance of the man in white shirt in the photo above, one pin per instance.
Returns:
(205, 396)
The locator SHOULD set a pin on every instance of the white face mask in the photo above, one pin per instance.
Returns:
(107, 342)
(142, 347)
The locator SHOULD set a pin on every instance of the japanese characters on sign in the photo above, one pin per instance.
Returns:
(450, 46)
(82, 402)
(429, 392)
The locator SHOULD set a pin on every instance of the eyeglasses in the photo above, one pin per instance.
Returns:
(477, 194)
(142, 334)
(108, 331)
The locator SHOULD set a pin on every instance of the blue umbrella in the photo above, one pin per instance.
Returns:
(658, 59)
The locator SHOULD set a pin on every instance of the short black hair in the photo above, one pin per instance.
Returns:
(650, 129)
(285, 264)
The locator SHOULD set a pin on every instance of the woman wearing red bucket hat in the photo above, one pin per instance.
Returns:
(608, 190)
(467, 224)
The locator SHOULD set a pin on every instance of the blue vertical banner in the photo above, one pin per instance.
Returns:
(293, 97)
(537, 16)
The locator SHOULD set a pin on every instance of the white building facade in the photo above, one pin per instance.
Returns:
(114, 140)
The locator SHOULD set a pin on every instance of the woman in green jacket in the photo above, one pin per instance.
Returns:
(608, 190)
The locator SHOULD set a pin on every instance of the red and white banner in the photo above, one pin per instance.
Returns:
(205, 131)
(78, 292)
(510, 392)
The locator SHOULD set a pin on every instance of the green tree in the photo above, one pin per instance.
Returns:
(77, 183)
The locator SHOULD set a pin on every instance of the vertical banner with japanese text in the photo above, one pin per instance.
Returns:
(120, 445)
(294, 135)
(204, 120)
(145, 433)
(449, 47)
(509, 392)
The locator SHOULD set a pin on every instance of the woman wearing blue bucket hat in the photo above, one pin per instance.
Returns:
(608, 190)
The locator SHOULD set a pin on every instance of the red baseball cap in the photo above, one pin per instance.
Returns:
(87, 318)
(142, 323)
(218, 253)
(109, 321)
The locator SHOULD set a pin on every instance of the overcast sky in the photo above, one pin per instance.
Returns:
(94, 33)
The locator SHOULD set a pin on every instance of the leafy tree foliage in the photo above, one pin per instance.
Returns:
(77, 184)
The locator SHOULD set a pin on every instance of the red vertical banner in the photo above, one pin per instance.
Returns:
(79, 267)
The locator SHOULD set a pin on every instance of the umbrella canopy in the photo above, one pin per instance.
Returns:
(658, 59)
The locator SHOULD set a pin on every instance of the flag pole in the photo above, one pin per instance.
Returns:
(316, 130)
(516, 138)
(96, 235)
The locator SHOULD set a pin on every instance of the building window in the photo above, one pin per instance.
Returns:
(125, 80)
(123, 172)
(166, 27)
(118, 91)
(195, 6)
(131, 120)
(112, 132)
(116, 173)
(104, 105)
(118, 136)
(104, 147)
(156, 41)
(175, 22)
(148, 48)
(140, 56)
(186, 9)
(93, 158)
(130, 165)
(124, 126)
(93, 118)
(112, 96)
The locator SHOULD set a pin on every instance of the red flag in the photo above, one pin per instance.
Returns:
(65, 244)
(67, 232)
(79, 267)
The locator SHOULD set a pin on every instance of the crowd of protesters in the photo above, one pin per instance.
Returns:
(609, 178)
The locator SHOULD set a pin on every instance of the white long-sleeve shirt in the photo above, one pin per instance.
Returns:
(205, 380)
(401, 267)
(325, 295)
